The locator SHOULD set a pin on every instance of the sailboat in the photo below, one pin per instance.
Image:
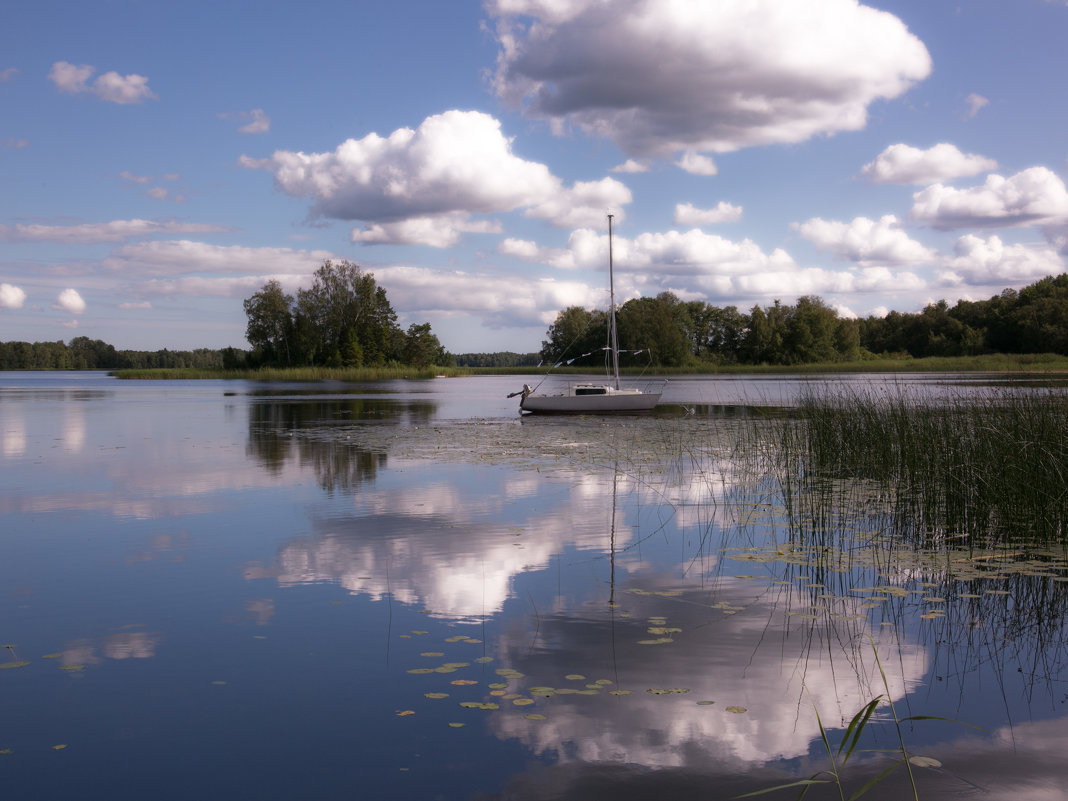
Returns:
(589, 398)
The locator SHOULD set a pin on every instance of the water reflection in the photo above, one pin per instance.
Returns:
(307, 570)
(340, 462)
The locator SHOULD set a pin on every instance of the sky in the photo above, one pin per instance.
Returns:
(161, 161)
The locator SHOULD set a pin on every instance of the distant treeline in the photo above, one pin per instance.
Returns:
(500, 359)
(678, 333)
(83, 353)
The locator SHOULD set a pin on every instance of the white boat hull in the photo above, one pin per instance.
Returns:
(610, 401)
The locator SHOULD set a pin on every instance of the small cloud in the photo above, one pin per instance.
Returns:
(126, 175)
(11, 297)
(70, 324)
(69, 301)
(110, 87)
(15, 144)
(687, 214)
(257, 121)
(904, 164)
(129, 305)
(632, 166)
(8, 74)
(696, 164)
(975, 104)
(157, 192)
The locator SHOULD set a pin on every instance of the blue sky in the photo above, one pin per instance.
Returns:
(160, 161)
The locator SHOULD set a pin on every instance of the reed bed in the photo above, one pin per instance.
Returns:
(990, 466)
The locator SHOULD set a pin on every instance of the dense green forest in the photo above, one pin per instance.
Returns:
(666, 331)
(346, 320)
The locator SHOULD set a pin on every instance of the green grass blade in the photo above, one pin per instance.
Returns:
(871, 783)
(806, 783)
(856, 728)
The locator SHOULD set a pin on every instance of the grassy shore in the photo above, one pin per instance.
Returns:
(996, 363)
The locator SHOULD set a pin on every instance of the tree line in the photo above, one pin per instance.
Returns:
(666, 331)
(343, 320)
(82, 353)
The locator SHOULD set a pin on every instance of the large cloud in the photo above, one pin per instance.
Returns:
(990, 262)
(694, 264)
(866, 242)
(660, 78)
(455, 164)
(903, 164)
(1035, 196)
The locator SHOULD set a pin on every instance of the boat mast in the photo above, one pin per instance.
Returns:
(613, 341)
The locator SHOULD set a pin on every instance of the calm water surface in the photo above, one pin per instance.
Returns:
(403, 590)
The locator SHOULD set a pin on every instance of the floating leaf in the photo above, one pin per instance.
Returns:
(543, 692)
(619, 692)
(737, 710)
(457, 725)
(435, 695)
(523, 701)
(670, 690)
(463, 682)
(432, 653)
(658, 641)
(497, 685)
(604, 682)
(535, 716)
(403, 713)
(219, 683)
(59, 747)
(8, 665)
(418, 631)
(52, 656)
(497, 693)
(574, 677)
(705, 703)
(478, 705)
(420, 671)
(483, 659)
(9, 751)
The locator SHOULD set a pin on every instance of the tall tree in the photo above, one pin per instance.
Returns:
(270, 323)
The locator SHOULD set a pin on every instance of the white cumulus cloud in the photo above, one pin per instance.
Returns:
(982, 262)
(454, 163)
(866, 242)
(903, 164)
(110, 86)
(11, 297)
(660, 78)
(70, 301)
(688, 214)
(1035, 196)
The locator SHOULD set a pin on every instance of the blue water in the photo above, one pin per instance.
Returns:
(222, 590)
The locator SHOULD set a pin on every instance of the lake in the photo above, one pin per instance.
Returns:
(404, 590)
